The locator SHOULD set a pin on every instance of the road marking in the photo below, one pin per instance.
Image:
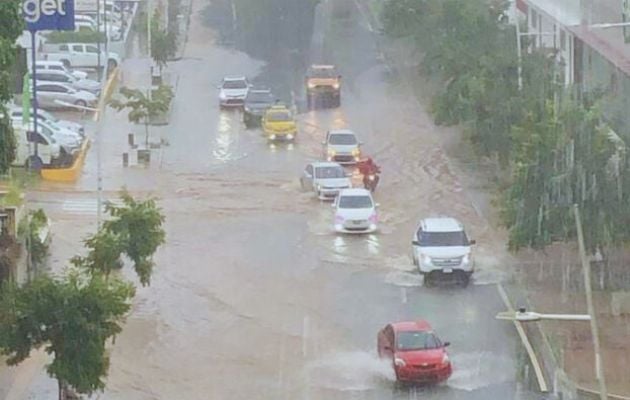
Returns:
(403, 295)
(85, 206)
(542, 384)
(305, 329)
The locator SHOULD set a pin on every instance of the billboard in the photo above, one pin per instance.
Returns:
(57, 15)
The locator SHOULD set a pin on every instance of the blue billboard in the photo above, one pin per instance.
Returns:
(40, 15)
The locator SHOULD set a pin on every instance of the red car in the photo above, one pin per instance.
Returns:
(417, 354)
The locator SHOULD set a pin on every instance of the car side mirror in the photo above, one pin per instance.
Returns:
(324, 143)
(472, 241)
(377, 205)
(446, 344)
(360, 143)
(415, 243)
(388, 348)
(349, 175)
(333, 205)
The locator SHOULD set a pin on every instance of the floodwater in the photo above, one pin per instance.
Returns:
(253, 295)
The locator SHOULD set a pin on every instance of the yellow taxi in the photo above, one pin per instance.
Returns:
(278, 123)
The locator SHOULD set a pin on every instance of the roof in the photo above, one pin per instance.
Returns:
(322, 66)
(354, 192)
(441, 224)
(406, 326)
(234, 78)
(566, 12)
(341, 132)
(325, 164)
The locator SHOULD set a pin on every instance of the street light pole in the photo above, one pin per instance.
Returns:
(149, 14)
(586, 268)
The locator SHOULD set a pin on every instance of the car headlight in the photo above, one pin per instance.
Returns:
(445, 359)
(222, 95)
(356, 152)
(426, 260)
(247, 109)
(311, 85)
(399, 362)
(331, 152)
(336, 85)
(466, 259)
(289, 136)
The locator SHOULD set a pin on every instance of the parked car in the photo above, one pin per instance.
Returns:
(48, 93)
(342, 146)
(326, 179)
(89, 85)
(441, 249)
(355, 211)
(48, 150)
(82, 55)
(16, 115)
(258, 100)
(69, 141)
(85, 23)
(59, 66)
(233, 91)
(417, 354)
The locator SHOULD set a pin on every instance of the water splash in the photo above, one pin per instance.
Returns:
(472, 371)
(349, 371)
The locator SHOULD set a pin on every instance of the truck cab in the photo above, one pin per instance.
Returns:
(323, 87)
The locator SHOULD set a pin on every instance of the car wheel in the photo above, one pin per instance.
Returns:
(80, 103)
(464, 279)
(34, 162)
(66, 63)
(111, 64)
(429, 280)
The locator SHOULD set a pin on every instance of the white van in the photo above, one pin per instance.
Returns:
(59, 66)
(48, 150)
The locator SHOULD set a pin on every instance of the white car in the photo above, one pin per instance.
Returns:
(355, 211)
(49, 93)
(233, 91)
(82, 55)
(69, 141)
(59, 66)
(16, 115)
(342, 146)
(442, 249)
(326, 179)
(89, 85)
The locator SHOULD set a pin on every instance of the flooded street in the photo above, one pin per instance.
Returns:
(253, 295)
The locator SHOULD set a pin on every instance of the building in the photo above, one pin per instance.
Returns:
(592, 42)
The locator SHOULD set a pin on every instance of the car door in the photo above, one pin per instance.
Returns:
(46, 95)
(91, 56)
(307, 177)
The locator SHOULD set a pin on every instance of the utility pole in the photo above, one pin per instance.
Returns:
(586, 267)
(98, 39)
(519, 56)
(149, 15)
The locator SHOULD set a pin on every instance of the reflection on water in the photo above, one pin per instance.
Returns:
(224, 141)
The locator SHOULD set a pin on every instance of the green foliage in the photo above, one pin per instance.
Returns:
(72, 318)
(104, 253)
(30, 228)
(163, 41)
(76, 37)
(138, 224)
(11, 27)
(141, 106)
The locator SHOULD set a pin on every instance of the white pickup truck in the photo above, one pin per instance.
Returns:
(80, 55)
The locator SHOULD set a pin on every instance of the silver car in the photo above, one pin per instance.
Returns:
(342, 146)
(89, 85)
(49, 94)
(326, 179)
(16, 114)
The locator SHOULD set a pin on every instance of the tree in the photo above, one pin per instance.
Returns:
(11, 27)
(143, 107)
(163, 41)
(104, 255)
(138, 224)
(72, 318)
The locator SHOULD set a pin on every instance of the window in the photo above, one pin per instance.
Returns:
(309, 170)
(355, 202)
(55, 67)
(563, 40)
(63, 47)
(437, 239)
(417, 340)
(91, 49)
(78, 48)
(342, 139)
(330, 173)
(534, 17)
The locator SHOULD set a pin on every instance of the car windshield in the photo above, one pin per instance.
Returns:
(417, 340)
(345, 139)
(279, 116)
(260, 97)
(359, 201)
(323, 73)
(436, 239)
(234, 85)
(329, 172)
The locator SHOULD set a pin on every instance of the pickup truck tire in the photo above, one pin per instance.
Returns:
(66, 63)
(34, 162)
(111, 64)
(80, 103)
